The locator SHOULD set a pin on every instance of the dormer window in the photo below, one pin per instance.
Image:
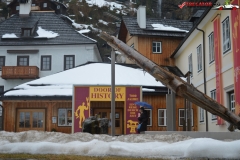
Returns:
(26, 32)
(44, 5)
(29, 26)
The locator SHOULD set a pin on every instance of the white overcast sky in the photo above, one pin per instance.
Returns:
(134, 145)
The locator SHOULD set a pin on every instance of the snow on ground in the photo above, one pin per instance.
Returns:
(103, 22)
(134, 145)
(101, 3)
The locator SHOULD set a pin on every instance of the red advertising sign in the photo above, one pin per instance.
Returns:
(81, 107)
(235, 14)
(218, 64)
(132, 95)
(83, 95)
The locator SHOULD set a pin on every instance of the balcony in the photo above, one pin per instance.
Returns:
(20, 72)
(35, 8)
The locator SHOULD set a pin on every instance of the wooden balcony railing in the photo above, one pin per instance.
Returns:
(20, 72)
(35, 8)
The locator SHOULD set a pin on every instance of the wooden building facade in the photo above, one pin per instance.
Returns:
(51, 114)
(39, 5)
(154, 38)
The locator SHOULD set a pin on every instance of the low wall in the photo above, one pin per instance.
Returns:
(213, 135)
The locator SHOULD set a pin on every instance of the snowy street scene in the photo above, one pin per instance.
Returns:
(119, 80)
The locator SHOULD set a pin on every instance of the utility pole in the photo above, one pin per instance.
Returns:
(112, 93)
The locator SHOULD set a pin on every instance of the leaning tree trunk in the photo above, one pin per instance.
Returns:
(173, 82)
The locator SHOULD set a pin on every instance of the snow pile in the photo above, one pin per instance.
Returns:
(134, 145)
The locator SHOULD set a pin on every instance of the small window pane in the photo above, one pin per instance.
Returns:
(69, 62)
(156, 47)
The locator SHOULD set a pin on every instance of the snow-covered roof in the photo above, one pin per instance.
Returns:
(61, 84)
(44, 33)
(166, 28)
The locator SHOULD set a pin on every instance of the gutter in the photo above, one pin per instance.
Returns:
(192, 29)
(204, 74)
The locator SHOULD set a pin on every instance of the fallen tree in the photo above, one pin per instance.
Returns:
(173, 82)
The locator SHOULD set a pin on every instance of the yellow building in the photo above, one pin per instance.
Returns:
(210, 52)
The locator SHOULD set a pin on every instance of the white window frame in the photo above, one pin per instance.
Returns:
(232, 101)
(190, 66)
(201, 115)
(164, 117)
(226, 35)
(199, 58)
(66, 110)
(184, 116)
(44, 5)
(150, 117)
(211, 48)
(213, 96)
(158, 44)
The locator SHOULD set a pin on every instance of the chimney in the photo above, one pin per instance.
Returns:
(141, 16)
(25, 7)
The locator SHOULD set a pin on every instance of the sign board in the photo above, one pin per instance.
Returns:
(83, 95)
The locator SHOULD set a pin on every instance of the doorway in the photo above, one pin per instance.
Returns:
(103, 110)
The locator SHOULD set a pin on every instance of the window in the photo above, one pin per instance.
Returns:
(213, 96)
(2, 62)
(17, 8)
(226, 35)
(182, 117)
(64, 117)
(201, 112)
(190, 67)
(211, 48)
(46, 63)
(199, 58)
(44, 5)
(149, 112)
(232, 102)
(26, 32)
(33, 5)
(162, 117)
(31, 119)
(69, 61)
(23, 60)
(157, 47)
(1, 89)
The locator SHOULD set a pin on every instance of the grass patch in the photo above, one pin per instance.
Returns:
(67, 157)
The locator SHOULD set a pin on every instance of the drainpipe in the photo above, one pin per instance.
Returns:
(2, 116)
(204, 74)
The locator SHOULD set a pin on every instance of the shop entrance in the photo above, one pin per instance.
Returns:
(103, 110)
(30, 119)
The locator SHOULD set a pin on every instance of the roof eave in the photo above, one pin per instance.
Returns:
(205, 13)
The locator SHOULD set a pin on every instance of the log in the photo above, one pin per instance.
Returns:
(173, 82)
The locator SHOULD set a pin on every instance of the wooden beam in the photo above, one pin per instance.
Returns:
(173, 82)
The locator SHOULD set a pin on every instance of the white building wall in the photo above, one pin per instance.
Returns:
(197, 80)
(83, 54)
